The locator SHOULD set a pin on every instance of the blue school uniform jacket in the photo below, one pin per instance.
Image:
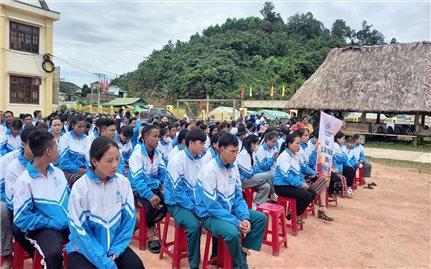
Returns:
(72, 152)
(264, 158)
(146, 174)
(4, 162)
(288, 170)
(13, 170)
(340, 158)
(245, 168)
(41, 202)
(135, 136)
(180, 183)
(219, 193)
(304, 157)
(165, 148)
(8, 142)
(101, 218)
(209, 155)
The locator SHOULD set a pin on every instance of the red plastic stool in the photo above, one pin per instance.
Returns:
(330, 200)
(358, 177)
(179, 251)
(278, 215)
(223, 258)
(19, 256)
(142, 233)
(289, 205)
(248, 193)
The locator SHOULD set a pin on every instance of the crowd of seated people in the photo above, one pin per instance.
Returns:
(77, 178)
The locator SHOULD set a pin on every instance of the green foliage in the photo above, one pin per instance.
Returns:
(245, 52)
(68, 87)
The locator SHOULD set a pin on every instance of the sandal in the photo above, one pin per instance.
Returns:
(322, 215)
(154, 246)
(369, 186)
(373, 184)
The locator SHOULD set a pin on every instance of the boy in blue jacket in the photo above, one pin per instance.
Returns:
(180, 187)
(220, 204)
(40, 200)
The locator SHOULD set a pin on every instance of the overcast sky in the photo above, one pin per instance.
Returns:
(113, 37)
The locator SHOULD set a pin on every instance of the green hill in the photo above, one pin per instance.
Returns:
(247, 52)
(68, 87)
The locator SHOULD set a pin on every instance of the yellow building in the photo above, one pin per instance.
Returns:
(26, 36)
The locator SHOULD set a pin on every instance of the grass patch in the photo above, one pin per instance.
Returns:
(398, 145)
(421, 167)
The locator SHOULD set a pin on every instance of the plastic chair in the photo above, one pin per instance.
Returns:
(142, 233)
(278, 216)
(179, 244)
(222, 259)
(289, 205)
(358, 177)
(248, 194)
(19, 256)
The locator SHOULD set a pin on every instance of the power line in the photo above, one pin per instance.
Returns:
(82, 67)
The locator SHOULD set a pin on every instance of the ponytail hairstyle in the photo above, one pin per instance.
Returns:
(250, 139)
(301, 132)
(268, 135)
(289, 140)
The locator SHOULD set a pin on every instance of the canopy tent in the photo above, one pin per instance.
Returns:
(273, 114)
(223, 113)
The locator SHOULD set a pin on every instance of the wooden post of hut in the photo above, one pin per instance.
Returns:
(417, 126)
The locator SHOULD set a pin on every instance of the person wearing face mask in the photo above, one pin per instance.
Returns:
(288, 181)
(249, 173)
(165, 144)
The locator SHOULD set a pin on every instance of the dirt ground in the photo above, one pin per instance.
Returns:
(388, 227)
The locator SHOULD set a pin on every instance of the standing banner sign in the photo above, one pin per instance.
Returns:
(328, 128)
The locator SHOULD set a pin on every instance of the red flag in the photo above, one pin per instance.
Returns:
(242, 93)
(106, 85)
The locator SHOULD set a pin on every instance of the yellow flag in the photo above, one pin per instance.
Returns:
(282, 91)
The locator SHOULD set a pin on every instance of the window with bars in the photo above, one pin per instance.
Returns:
(24, 90)
(24, 37)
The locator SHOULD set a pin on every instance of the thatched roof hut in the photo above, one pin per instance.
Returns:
(386, 78)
